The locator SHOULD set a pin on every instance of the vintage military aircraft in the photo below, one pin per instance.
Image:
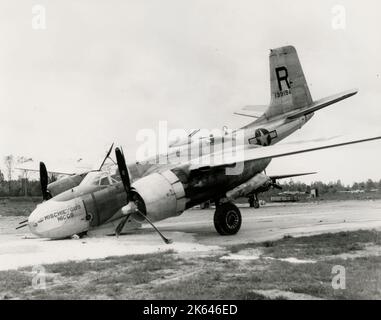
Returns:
(153, 190)
(164, 193)
(291, 106)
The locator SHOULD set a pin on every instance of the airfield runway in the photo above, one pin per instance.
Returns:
(192, 232)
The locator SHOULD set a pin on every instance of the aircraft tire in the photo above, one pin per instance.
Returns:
(227, 219)
(256, 204)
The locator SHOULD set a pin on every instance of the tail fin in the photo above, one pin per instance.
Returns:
(289, 89)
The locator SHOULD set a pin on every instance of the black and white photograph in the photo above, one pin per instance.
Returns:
(212, 151)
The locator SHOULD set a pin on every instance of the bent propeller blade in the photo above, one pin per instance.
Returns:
(166, 240)
(44, 181)
(120, 226)
(106, 157)
(123, 171)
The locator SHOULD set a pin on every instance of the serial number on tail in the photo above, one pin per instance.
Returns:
(283, 93)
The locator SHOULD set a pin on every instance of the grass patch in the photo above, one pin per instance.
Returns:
(314, 246)
(74, 268)
(17, 208)
(79, 268)
(168, 276)
(104, 278)
(363, 281)
(13, 282)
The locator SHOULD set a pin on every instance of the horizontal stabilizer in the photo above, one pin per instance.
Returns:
(322, 103)
(252, 111)
(248, 114)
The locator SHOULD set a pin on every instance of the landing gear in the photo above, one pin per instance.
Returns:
(205, 205)
(79, 235)
(253, 201)
(82, 234)
(227, 219)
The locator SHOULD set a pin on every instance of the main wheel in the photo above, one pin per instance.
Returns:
(227, 219)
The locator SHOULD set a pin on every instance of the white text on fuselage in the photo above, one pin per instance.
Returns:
(63, 214)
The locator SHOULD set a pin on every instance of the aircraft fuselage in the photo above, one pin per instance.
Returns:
(89, 206)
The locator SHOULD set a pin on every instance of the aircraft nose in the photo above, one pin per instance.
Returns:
(58, 219)
(33, 220)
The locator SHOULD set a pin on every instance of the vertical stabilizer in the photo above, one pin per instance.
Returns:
(289, 89)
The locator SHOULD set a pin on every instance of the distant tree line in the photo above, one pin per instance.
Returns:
(15, 187)
(11, 187)
(328, 188)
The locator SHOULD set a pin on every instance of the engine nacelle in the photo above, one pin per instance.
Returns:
(259, 181)
(64, 184)
(160, 196)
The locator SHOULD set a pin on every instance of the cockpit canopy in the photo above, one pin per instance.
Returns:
(101, 178)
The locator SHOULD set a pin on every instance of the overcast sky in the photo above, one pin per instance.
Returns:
(102, 70)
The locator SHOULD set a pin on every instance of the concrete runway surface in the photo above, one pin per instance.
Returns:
(192, 232)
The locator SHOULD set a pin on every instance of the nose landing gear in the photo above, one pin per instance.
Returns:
(253, 201)
(227, 219)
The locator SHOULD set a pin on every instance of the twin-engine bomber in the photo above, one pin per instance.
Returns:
(149, 191)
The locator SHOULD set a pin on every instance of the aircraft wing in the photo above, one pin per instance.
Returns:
(284, 176)
(322, 103)
(230, 157)
(37, 170)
